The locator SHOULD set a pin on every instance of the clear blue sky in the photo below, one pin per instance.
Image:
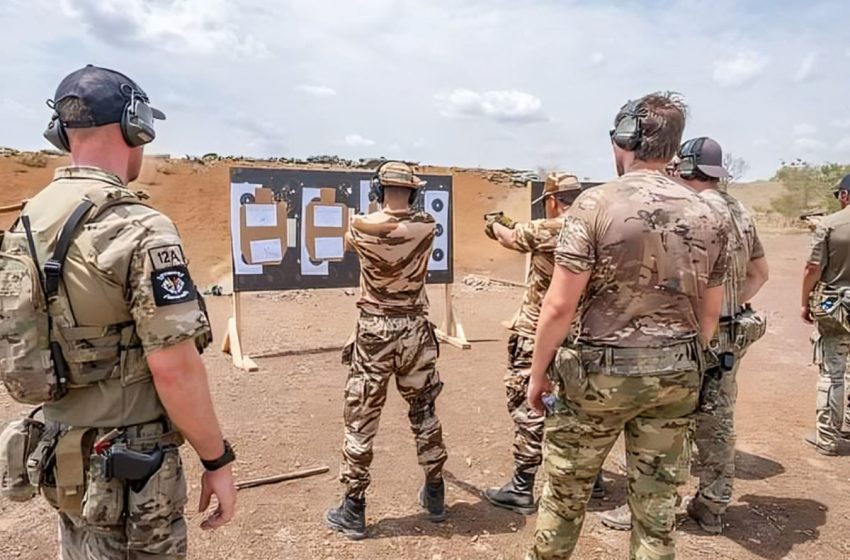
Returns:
(522, 83)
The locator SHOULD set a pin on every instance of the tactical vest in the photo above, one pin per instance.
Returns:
(80, 355)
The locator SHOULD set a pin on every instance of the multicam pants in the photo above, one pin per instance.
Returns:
(385, 346)
(122, 523)
(655, 412)
(833, 398)
(528, 425)
(714, 462)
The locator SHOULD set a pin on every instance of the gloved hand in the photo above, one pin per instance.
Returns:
(496, 218)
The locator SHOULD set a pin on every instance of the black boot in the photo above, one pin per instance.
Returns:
(432, 498)
(517, 495)
(349, 518)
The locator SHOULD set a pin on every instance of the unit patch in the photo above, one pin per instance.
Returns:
(173, 285)
(167, 256)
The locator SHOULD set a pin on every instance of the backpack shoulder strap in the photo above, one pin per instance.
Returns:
(54, 265)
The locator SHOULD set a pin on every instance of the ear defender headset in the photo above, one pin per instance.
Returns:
(688, 155)
(376, 188)
(628, 132)
(136, 121)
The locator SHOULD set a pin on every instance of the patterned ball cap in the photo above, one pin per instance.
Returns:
(398, 174)
(560, 182)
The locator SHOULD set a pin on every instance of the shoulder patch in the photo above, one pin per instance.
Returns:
(173, 285)
(167, 256)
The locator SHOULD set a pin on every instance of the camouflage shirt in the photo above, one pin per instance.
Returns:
(830, 249)
(127, 266)
(652, 247)
(743, 246)
(538, 237)
(393, 248)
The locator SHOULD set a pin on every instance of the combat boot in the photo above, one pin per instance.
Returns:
(517, 495)
(709, 522)
(349, 518)
(619, 519)
(812, 439)
(432, 498)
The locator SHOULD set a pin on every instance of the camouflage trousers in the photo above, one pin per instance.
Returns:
(655, 412)
(119, 522)
(528, 425)
(833, 397)
(714, 438)
(405, 347)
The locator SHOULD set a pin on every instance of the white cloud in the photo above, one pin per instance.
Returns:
(200, 27)
(502, 106)
(596, 58)
(740, 69)
(807, 66)
(317, 90)
(841, 123)
(355, 140)
(843, 145)
(804, 129)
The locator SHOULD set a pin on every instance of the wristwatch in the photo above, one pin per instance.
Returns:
(226, 458)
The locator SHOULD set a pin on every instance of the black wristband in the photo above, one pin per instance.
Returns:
(226, 458)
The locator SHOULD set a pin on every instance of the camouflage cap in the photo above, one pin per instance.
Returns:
(559, 182)
(398, 174)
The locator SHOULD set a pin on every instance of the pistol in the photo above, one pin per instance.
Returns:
(133, 466)
(493, 215)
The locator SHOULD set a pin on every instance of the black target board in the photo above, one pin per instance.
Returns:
(288, 226)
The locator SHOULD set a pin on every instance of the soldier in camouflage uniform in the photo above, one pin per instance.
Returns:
(648, 255)
(825, 284)
(393, 337)
(699, 165)
(130, 327)
(537, 237)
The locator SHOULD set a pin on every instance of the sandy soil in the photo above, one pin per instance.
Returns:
(789, 502)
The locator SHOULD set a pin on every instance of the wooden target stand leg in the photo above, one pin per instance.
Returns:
(451, 331)
(232, 343)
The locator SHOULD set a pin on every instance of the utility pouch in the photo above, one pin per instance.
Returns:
(103, 501)
(829, 307)
(70, 469)
(567, 370)
(17, 442)
(749, 327)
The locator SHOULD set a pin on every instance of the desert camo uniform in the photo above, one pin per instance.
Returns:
(652, 247)
(538, 237)
(714, 462)
(830, 248)
(393, 337)
(130, 293)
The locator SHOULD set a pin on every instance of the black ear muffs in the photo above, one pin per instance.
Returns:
(628, 133)
(55, 133)
(688, 157)
(137, 119)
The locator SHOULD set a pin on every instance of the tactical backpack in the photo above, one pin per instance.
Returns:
(33, 367)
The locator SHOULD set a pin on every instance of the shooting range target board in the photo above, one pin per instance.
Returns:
(288, 227)
(538, 210)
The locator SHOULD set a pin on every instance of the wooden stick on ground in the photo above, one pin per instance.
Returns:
(281, 477)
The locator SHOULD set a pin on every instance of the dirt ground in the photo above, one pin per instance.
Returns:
(789, 501)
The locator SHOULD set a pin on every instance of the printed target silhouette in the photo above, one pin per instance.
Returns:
(438, 255)
(247, 198)
(438, 231)
(437, 205)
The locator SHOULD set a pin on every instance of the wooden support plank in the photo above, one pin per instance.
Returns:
(452, 331)
(232, 342)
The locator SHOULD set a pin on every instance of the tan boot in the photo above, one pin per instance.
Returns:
(619, 519)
